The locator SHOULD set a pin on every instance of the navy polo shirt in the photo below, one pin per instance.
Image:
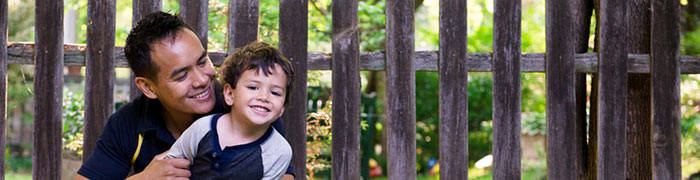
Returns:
(114, 150)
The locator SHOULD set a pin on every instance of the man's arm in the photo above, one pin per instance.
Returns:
(159, 168)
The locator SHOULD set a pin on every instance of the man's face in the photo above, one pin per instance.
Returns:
(258, 99)
(185, 81)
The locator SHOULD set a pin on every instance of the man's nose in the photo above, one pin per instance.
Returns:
(200, 77)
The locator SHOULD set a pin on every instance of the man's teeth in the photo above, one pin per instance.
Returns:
(200, 95)
(260, 109)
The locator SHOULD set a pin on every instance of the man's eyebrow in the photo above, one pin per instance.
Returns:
(179, 70)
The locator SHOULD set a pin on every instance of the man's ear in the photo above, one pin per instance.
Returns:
(228, 94)
(146, 86)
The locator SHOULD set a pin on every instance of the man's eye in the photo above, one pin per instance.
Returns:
(181, 78)
(202, 63)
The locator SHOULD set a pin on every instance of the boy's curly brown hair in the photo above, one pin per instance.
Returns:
(256, 56)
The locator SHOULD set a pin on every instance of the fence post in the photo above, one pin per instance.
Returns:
(401, 90)
(242, 23)
(561, 102)
(452, 69)
(506, 89)
(346, 91)
(48, 88)
(195, 13)
(612, 73)
(141, 9)
(665, 83)
(99, 75)
(293, 44)
(3, 80)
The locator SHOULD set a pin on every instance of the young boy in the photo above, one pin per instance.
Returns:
(241, 144)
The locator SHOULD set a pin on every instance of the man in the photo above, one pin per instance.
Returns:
(177, 79)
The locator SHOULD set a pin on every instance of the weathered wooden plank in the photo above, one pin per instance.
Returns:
(293, 44)
(48, 90)
(3, 80)
(195, 13)
(560, 80)
(639, 155)
(401, 90)
(141, 9)
(21, 53)
(99, 73)
(582, 23)
(453, 89)
(665, 89)
(242, 23)
(346, 90)
(612, 71)
(506, 89)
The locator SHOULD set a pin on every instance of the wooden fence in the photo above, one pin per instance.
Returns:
(567, 24)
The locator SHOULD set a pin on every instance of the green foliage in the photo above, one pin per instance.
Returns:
(533, 123)
(690, 43)
(73, 121)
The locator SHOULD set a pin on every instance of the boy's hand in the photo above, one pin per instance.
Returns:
(160, 168)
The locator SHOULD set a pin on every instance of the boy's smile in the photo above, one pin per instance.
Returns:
(257, 99)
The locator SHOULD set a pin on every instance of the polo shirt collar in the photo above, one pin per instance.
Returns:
(152, 120)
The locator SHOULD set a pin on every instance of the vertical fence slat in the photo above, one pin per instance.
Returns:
(242, 23)
(401, 90)
(141, 9)
(195, 13)
(48, 90)
(560, 77)
(346, 90)
(666, 96)
(506, 89)
(582, 22)
(612, 71)
(99, 75)
(293, 44)
(452, 70)
(3, 80)
(639, 155)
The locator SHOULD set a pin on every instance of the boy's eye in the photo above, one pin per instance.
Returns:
(276, 93)
(252, 87)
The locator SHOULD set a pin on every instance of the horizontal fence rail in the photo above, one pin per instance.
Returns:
(21, 53)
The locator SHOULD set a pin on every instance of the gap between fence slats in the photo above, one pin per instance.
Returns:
(294, 45)
(346, 91)
(665, 83)
(506, 90)
(612, 72)
(48, 88)
(99, 71)
(453, 89)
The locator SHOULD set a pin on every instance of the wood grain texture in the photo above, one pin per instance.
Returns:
(612, 71)
(665, 88)
(99, 73)
(3, 80)
(583, 9)
(453, 90)
(242, 23)
(195, 13)
(401, 90)
(141, 9)
(346, 90)
(21, 53)
(293, 44)
(639, 155)
(506, 89)
(48, 88)
(560, 80)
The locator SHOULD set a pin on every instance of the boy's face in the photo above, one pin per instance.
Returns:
(185, 80)
(258, 99)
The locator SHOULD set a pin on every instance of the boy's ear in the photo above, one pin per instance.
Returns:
(228, 94)
(146, 86)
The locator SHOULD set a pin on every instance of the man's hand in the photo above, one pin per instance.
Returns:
(160, 168)
(287, 177)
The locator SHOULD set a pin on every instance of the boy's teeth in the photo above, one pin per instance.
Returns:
(260, 109)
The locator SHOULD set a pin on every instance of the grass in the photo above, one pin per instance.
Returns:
(12, 175)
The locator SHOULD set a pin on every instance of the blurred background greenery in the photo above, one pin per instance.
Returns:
(372, 38)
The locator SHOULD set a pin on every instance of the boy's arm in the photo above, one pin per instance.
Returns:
(186, 145)
(277, 124)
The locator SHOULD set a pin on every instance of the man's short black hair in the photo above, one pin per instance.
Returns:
(154, 27)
